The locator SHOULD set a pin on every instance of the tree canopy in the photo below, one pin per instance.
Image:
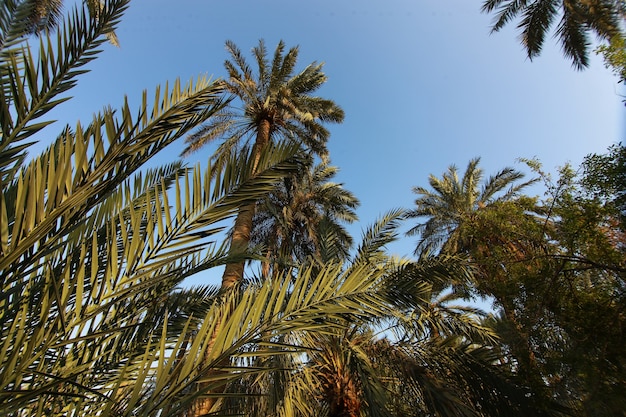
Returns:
(95, 248)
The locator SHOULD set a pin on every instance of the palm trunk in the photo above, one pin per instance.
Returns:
(343, 398)
(265, 267)
(233, 273)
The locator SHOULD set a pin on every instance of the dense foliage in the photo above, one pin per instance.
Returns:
(95, 318)
(555, 270)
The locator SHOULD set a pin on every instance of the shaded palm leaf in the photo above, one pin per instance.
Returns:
(578, 19)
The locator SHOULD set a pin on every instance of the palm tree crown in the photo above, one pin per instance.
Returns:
(46, 15)
(578, 18)
(275, 103)
(305, 216)
(453, 201)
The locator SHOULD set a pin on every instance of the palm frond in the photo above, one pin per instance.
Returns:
(381, 233)
(536, 21)
(50, 189)
(30, 86)
(578, 20)
(505, 12)
(574, 39)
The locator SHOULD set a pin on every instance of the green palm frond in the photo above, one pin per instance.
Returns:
(239, 61)
(412, 284)
(32, 84)
(505, 13)
(469, 185)
(95, 298)
(536, 21)
(381, 233)
(574, 38)
(282, 67)
(578, 18)
(507, 177)
(104, 155)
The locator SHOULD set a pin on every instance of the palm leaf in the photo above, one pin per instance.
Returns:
(30, 86)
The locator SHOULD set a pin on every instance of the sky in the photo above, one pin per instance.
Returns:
(423, 84)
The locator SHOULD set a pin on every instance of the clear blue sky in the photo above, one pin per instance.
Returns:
(422, 82)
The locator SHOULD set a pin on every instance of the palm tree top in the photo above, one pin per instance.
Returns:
(274, 94)
(270, 105)
(305, 216)
(452, 200)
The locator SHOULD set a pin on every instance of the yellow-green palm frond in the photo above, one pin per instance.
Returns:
(33, 84)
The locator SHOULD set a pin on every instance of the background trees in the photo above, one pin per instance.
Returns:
(554, 268)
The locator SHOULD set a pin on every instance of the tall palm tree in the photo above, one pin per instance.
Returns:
(303, 217)
(454, 202)
(577, 19)
(276, 104)
(92, 248)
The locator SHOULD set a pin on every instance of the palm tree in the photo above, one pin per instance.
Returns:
(418, 356)
(303, 217)
(453, 203)
(37, 16)
(577, 19)
(500, 231)
(276, 104)
(92, 248)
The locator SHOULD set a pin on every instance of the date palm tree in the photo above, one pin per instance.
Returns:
(453, 203)
(303, 217)
(93, 247)
(577, 19)
(421, 355)
(277, 103)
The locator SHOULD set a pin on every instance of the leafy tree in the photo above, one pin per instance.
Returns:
(604, 178)
(614, 54)
(275, 103)
(578, 18)
(588, 262)
(557, 275)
